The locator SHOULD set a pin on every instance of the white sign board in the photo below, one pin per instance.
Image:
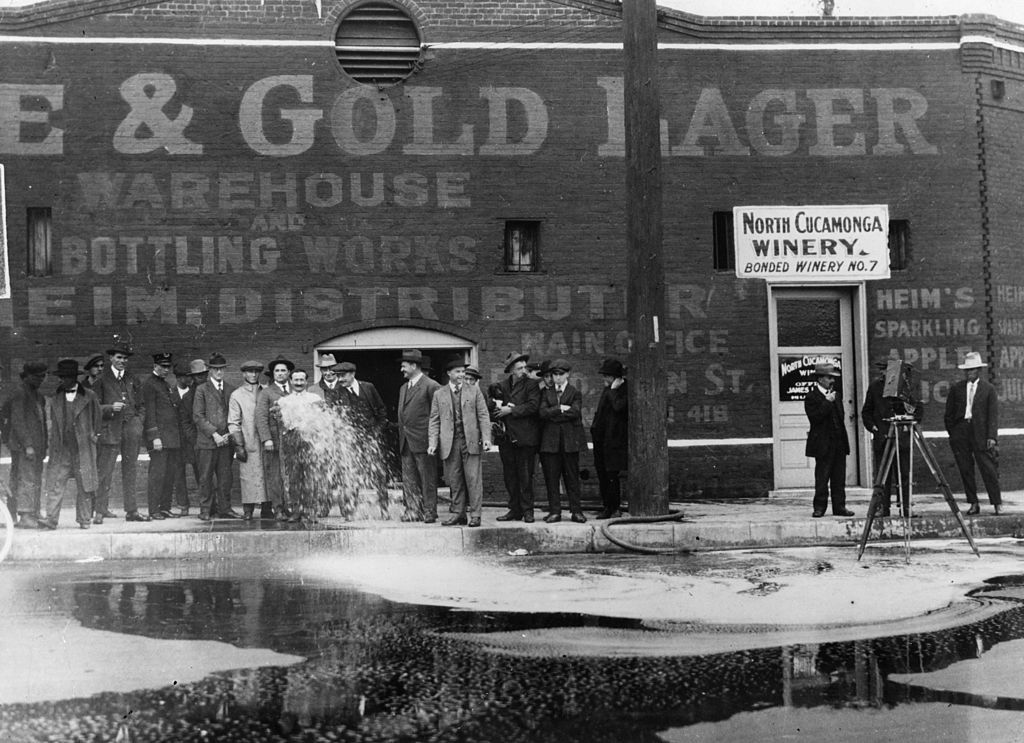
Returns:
(5, 274)
(812, 243)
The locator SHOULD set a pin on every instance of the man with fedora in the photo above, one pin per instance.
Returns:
(329, 386)
(213, 442)
(610, 433)
(73, 417)
(184, 391)
(827, 441)
(120, 398)
(460, 430)
(27, 443)
(268, 429)
(517, 410)
(419, 468)
(972, 421)
(162, 432)
(875, 414)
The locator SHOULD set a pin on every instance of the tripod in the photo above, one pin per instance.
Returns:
(898, 425)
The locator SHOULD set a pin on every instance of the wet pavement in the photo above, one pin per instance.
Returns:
(753, 645)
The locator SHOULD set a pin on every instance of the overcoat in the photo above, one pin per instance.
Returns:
(85, 410)
(610, 428)
(242, 422)
(561, 431)
(828, 425)
(28, 421)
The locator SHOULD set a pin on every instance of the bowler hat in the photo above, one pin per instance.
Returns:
(163, 359)
(413, 356)
(560, 365)
(512, 358)
(32, 368)
(93, 361)
(612, 368)
(344, 366)
(197, 367)
(280, 360)
(972, 361)
(545, 367)
(251, 365)
(472, 371)
(825, 370)
(327, 360)
(217, 361)
(456, 364)
(181, 369)
(67, 368)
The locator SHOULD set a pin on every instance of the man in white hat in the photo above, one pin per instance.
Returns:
(972, 421)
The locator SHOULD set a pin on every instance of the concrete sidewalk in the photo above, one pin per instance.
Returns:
(779, 521)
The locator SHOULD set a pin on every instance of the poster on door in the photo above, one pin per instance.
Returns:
(796, 374)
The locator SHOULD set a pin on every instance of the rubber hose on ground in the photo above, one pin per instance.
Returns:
(606, 531)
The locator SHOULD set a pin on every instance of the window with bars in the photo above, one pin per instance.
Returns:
(40, 256)
(522, 245)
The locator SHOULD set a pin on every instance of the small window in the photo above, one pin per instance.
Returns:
(378, 44)
(40, 256)
(899, 244)
(522, 245)
(724, 242)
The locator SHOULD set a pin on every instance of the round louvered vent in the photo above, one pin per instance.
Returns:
(378, 44)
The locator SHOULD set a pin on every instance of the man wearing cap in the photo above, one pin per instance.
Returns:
(972, 422)
(875, 414)
(329, 386)
(827, 442)
(162, 433)
(120, 398)
(27, 443)
(268, 429)
(213, 443)
(610, 434)
(460, 430)
(517, 410)
(93, 368)
(419, 468)
(184, 390)
(248, 447)
(73, 417)
(365, 404)
(561, 440)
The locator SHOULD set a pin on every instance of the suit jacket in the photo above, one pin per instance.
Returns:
(610, 427)
(414, 414)
(332, 396)
(108, 391)
(268, 420)
(476, 423)
(877, 408)
(828, 425)
(162, 417)
(28, 421)
(210, 412)
(367, 408)
(984, 411)
(522, 424)
(561, 431)
(86, 418)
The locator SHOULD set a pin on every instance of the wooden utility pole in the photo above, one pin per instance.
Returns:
(645, 302)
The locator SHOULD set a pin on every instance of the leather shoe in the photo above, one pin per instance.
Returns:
(843, 512)
(974, 510)
(203, 517)
(457, 520)
(108, 514)
(998, 509)
(578, 518)
(47, 524)
(510, 516)
(136, 516)
(429, 519)
(157, 516)
(552, 518)
(169, 514)
(83, 524)
(528, 518)
(228, 514)
(97, 520)
(817, 514)
(474, 523)
(27, 522)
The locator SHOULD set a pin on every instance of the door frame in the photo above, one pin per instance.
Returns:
(861, 445)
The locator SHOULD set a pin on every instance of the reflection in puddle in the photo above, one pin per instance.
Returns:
(378, 670)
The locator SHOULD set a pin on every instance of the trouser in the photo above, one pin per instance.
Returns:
(214, 463)
(26, 484)
(163, 470)
(966, 454)
(419, 483)
(181, 497)
(608, 482)
(877, 450)
(464, 473)
(562, 467)
(128, 448)
(273, 478)
(57, 476)
(830, 475)
(517, 465)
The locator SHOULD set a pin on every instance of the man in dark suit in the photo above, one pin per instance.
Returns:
(610, 434)
(363, 400)
(827, 442)
(213, 443)
(162, 431)
(561, 439)
(972, 421)
(329, 384)
(419, 469)
(184, 391)
(874, 413)
(120, 398)
(268, 428)
(517, 411)
(28, 445)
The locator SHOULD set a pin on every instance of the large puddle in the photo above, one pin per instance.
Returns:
(316, 661)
